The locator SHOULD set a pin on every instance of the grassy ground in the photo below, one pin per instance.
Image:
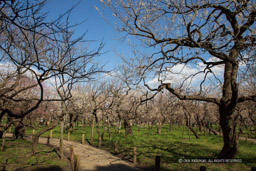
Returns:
(17, 155)
(176, 153)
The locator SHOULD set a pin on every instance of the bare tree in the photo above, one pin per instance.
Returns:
(210, 34)
(40, 49)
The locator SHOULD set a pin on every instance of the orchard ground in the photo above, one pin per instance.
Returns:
(17, 155)
(177, 152)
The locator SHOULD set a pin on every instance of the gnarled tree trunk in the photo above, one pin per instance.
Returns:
(35, 138)
(194, 132)
(227, 109)
(128, 128)
(230, 136)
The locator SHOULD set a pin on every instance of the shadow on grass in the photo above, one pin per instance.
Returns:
(170, 152)
(50, 168)
(121, 167)
(46, 152)
(173, 151)
(117, 167)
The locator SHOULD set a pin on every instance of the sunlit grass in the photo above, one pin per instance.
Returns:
(169, 145)
(17, 155)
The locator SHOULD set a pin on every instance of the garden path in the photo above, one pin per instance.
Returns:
(94, 159)
(91, 158)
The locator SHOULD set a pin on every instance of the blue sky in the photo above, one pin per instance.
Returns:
(96, 26)
(99, 29)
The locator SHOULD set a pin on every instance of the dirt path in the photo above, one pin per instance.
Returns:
(94, 159)
(91, 158)
(248, 139)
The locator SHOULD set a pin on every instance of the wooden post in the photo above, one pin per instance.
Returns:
(188, 133)
(134, 155)
(202, 168)
(76, 164)
(3, 142)
(50, 134)
(92, 129)
(170, 126)
(71, 153)
(254, 132)
(61, 139)
(48, 140)
(33, 132)
(157, 163)
(116, 147)
(68, 136)
(82, 138)
(10, 129)
(99, 141)
(183, 129)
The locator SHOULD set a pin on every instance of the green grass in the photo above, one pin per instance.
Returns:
(17, 155)
(169, 145)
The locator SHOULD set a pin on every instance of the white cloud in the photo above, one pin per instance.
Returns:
(188, 75)
(217, 70)
(7, 68)
(110, 74)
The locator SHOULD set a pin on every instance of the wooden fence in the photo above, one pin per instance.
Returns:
(75, 161)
